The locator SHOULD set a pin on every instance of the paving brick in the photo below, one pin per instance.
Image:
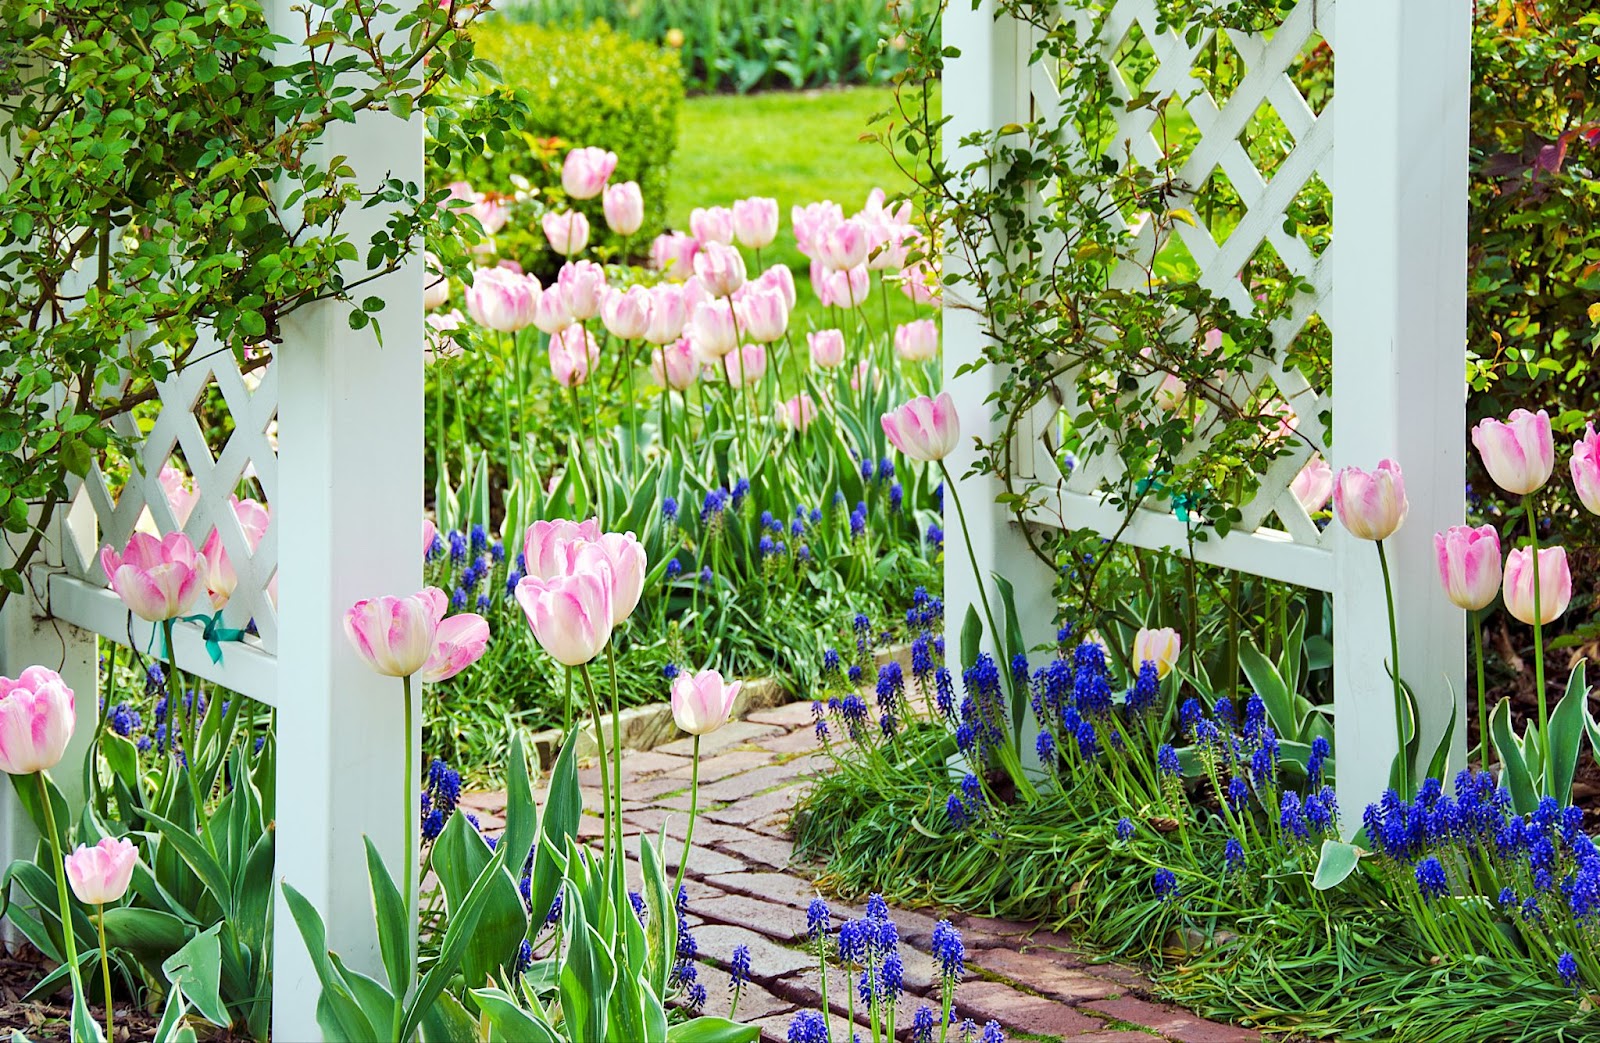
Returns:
(775, 1028)
(715, 769)
(493, 801)
(1019, 1012)
(650, 762)
(643, 790)
(803, 740)
(650, 820)
(789, 715)
(781, 923)
(768, 960)
(761, 850)
(1169, 1021)
(1039, 972)
(754, 1001)
(702, 861)
(734, 733)
(770, 887)
(675, 803)
(1113, 1036)
(740, 787)
(1125, 976)
(761, 812)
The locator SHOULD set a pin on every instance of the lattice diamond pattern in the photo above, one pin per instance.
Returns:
(1262, 138)
(101, 517)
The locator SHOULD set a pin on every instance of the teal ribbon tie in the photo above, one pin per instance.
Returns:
(214, 633)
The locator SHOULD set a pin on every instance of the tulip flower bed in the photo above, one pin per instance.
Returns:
(678, 402)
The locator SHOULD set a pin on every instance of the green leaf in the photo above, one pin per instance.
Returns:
(971, 637)
(522, 815)
(459, 937)
(1337, 862)
(447, 1021)
(340, 1016)
(198, 858)
(510, 1020)
(712, 1030)
(1439, 763)
(1514, 769)
(145, 932)
(562, 810)
(394, 926)
(1566, 734)
(1268, 684)
(196, 969)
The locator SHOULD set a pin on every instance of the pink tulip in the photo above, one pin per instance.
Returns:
(862, 373)
(673, 255)
(845, 288)
(827, 348)
(583, 285)
(917, 341)
(439, 344)
(668, 313)
(924, 428)
(1370, 505)
(1586, 469)
(570, 615)
(430, 532)
(746, 366)
(1313, 485)
(156, 579)
(1160, 647)
(502, 300)
(755, 222)
(624, 207)
(489, 213)
(567, 232)
(435, 284)
(695, 293)
(100, 875)
(1170, 394)
(181, 494)
(573, 355)
(779, 278)
(845, 246)
(713, 330)
(37, 717)
(813, 223)
(395, 635)
(459, 642)
(702, 703)
(545, 544)
(873, 210)
(1518, 454)
(712, 224)
(891, 247)
(1469, 564)
(626, 564)
(550, 313)
(720, 267)
(673, 365)
(585, 170)
(626, 314)
(221, 580)
(1555, 584)
(920, 281)
(763, 317)
(798, 412)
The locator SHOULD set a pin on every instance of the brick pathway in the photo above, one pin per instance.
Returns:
(745, 888)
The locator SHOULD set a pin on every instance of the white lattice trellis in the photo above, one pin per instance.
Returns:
(1390, 287)
(106, 515)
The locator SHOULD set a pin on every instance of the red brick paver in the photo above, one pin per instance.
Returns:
(745, 888)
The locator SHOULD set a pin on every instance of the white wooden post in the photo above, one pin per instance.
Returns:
(1400, 180)
(350, 430)
(27, 639)
(985, 87)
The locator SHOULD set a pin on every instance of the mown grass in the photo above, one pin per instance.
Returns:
(797, 147)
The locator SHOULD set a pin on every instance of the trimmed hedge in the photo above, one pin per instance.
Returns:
(585, 86)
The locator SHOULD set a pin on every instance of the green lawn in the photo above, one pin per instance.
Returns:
(798, 148)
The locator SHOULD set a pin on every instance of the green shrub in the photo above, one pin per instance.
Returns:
(589, 86)
(744, 45)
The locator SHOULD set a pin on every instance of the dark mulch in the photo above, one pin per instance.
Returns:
(48, 1020)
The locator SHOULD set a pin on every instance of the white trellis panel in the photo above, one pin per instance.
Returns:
(1391, 287)
(344, 490)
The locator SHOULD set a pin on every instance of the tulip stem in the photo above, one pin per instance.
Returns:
(105, 972)
(179, 723)
(1538, 648)
(600, 742)
(1403, 756)
(68, 939)
(1484, 745)
(694, 805)
(408, 864)
(616, 740)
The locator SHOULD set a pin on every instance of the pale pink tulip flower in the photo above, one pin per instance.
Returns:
(37, 717)
(1469, 564)
(1555, 584)
(155, 578)
(1519, 454)
(395, 635)
(1371, 505)
(924, 428)
(585, 171)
